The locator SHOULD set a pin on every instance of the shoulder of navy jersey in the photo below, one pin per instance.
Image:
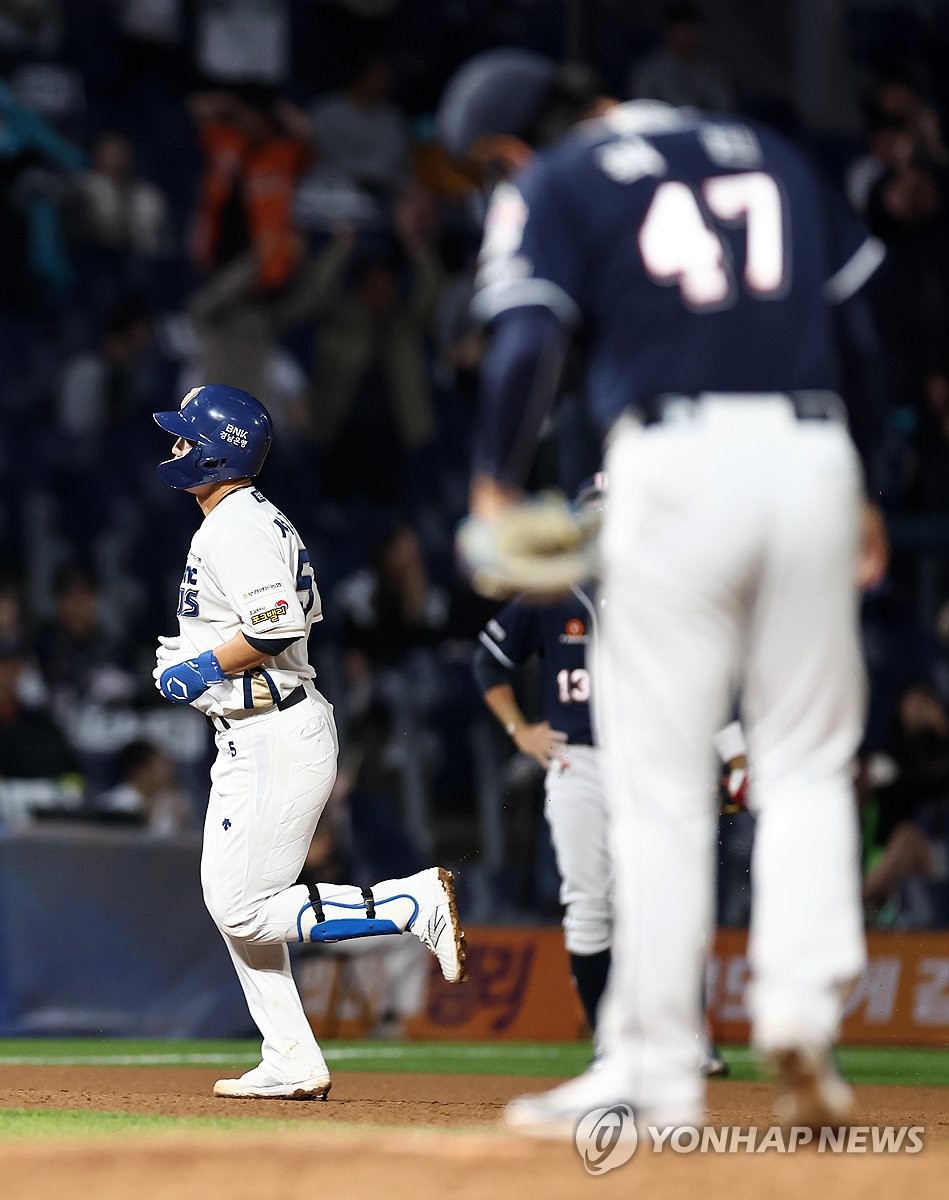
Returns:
(541, 225)
(599, 227)
(511, 636)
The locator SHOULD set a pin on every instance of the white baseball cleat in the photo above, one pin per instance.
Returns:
(811, 1092)
(260, 1084)
(714, 1065)
(555, 1115)
(436, 924)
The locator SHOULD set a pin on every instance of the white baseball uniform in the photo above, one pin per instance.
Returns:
(678, 630)
(248, 571)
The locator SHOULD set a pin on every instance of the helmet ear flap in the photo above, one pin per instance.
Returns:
(230, 432)
(188, 471)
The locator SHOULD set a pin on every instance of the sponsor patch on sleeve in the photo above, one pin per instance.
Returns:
(267, 616)
(260, 591)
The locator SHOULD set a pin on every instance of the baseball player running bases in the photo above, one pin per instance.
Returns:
(247, 602)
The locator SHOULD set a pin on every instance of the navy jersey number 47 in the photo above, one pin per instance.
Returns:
(665, 234)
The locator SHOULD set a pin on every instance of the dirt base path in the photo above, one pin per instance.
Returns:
(422, 1162)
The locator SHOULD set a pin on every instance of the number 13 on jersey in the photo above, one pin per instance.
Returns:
(573, 687)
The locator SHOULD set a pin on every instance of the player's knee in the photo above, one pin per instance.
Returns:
(233, 918)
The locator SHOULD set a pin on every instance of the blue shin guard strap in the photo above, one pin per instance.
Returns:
(344, 929)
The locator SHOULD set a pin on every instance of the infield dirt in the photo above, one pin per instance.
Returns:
(423, 1157)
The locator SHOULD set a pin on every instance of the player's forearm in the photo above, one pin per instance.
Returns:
(519, 378)
(237, 655)
(503, 704)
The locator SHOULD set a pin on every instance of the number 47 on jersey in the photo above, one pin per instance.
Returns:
(679, 245)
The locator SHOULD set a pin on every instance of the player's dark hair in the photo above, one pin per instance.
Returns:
(568, 100)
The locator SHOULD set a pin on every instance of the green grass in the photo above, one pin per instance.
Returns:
(60, 1123)
(454, 1058)
(862, 1064)
(865, 1064)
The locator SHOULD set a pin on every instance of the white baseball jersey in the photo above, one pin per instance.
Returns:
(248, 572)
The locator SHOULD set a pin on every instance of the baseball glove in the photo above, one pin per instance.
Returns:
(538, 548)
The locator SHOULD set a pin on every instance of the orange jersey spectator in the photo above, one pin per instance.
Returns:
(246, 202)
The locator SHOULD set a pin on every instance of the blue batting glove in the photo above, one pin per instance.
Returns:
(186, 681)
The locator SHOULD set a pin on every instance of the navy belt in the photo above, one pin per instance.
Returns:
(298, 694)
(673, 407)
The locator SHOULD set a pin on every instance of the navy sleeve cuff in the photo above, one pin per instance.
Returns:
(270, 646)
(487, 671)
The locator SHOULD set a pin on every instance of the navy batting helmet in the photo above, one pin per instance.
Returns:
(515, 92)
(495, 92)
(231, 431)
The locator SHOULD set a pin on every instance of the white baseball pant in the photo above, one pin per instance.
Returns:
(269, 784)
(730, 545)
(578, 816)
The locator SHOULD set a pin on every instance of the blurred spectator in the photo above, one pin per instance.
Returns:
(104, 398)
(35, 169)
(147, 788)
(14, 632)
(361, 136)
(371, 389)
(405, 644)
(678, 71)
(912, 776)
(244, 239)
(31, 745)
(81, 655)
(121, 211)
(910, 296)
(239, 41)
(156, 21)
(390, 607)
(99, 388)
(30, 27)
(902, 127)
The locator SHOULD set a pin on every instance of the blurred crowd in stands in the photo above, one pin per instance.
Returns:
(250, 192)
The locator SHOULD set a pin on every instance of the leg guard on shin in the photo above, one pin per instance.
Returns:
(344, 929)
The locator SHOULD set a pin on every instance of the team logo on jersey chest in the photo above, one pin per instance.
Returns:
(264, 615)
(574, 633)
